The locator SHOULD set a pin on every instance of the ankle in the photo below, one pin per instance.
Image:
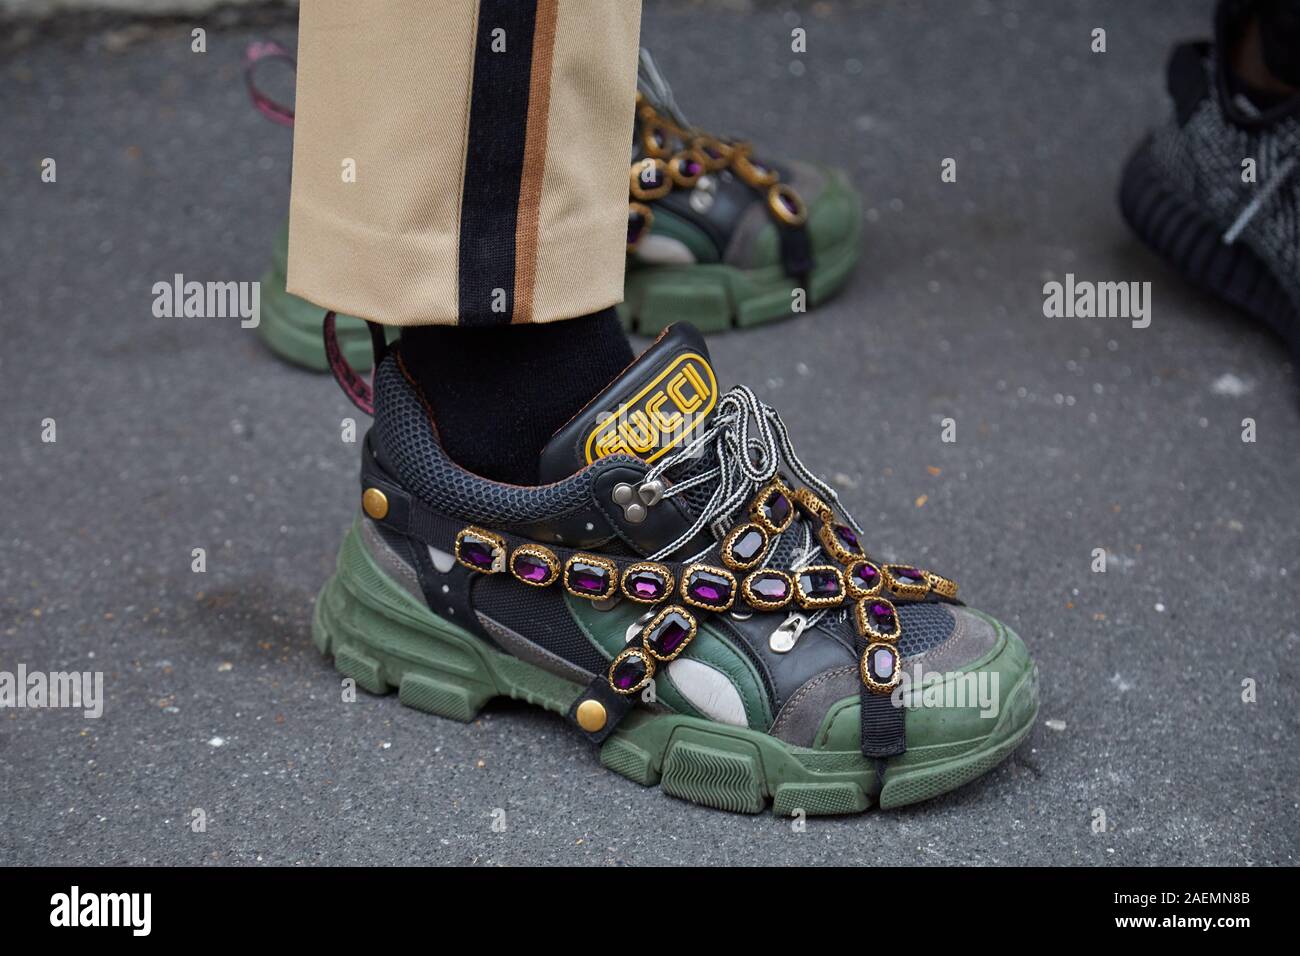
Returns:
(1263, 66)
(498, 394)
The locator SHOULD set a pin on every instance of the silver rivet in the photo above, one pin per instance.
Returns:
(635, 514)
(623, 493)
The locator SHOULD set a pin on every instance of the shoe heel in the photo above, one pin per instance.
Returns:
(383, 638)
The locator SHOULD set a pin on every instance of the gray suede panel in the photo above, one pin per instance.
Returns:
(390, 562)
(797, 723)
(803, 713)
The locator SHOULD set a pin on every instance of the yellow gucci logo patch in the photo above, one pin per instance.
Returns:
(662, 414)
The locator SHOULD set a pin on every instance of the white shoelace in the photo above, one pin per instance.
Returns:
(751, 443)
(652, 83)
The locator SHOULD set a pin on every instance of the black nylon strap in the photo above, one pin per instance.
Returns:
(617, 706)
(883, 732)
(410, 516)
(796, 254)
(883, 724)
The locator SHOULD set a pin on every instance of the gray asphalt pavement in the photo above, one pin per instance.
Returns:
(1072, 435)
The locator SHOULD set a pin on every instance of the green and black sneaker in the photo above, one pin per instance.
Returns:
(681, 588)
(719, 238)
(715, 237)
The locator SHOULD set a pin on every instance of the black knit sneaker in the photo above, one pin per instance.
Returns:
(1229, 226)
(682, 589)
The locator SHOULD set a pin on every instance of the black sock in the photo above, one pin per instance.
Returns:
(499, 394)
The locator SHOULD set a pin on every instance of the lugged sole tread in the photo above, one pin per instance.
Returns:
(714, 777)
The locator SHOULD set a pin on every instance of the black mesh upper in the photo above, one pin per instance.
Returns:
(924, 626)
(539, 615)
(405, 442)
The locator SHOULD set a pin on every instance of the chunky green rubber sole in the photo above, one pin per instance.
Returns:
(383, 638)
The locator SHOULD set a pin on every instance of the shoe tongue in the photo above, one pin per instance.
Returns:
(658, 403)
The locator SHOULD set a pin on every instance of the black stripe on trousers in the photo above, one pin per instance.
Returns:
(494, 160)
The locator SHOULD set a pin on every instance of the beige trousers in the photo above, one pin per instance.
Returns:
(462, 161)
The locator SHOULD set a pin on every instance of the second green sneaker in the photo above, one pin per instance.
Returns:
(720, 238)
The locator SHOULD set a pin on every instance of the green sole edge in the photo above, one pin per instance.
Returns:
(383, 638)
(715, 298)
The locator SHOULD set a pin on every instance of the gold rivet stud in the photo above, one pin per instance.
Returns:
(375, 503)
(591, 715)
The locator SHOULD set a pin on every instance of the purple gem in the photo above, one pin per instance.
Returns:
(530, 567)
(882, 663)
(865, 575)
(646, 584)
(629, 672)
(882, 615)
(846, 537)
(478, 552)
(819, 583)
(669, 634)
(777, 508)
(588, 578)
(769, 586)
(708, 587)
(907, 576)
(747, 545)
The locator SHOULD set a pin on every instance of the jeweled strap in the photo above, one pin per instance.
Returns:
(883, 721)
(255, 53)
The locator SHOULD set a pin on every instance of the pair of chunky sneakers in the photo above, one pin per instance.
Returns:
(716, 237)
(680, 588)
(1216, 190)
